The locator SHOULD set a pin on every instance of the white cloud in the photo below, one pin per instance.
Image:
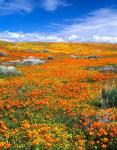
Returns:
(98, 26)
(42, 37)
(13, 6)
(20, 36)
(27, 6)
(105, 39)
(72, 37)
(52, 5)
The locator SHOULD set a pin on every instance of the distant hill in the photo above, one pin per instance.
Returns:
(60, 47)
(6, 45)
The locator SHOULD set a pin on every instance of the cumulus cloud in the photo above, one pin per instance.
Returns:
(105, 39)
(97, 26)
(52, 5)
(20, 36)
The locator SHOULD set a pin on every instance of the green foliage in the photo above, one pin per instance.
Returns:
(111, 97)
(96, 103)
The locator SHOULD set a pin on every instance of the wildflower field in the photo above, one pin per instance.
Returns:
(60, 104)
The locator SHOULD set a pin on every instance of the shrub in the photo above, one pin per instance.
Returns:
(109, 98)
(7, 71)
(95, 103)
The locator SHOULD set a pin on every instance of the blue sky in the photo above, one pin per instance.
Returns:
(58, 20)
